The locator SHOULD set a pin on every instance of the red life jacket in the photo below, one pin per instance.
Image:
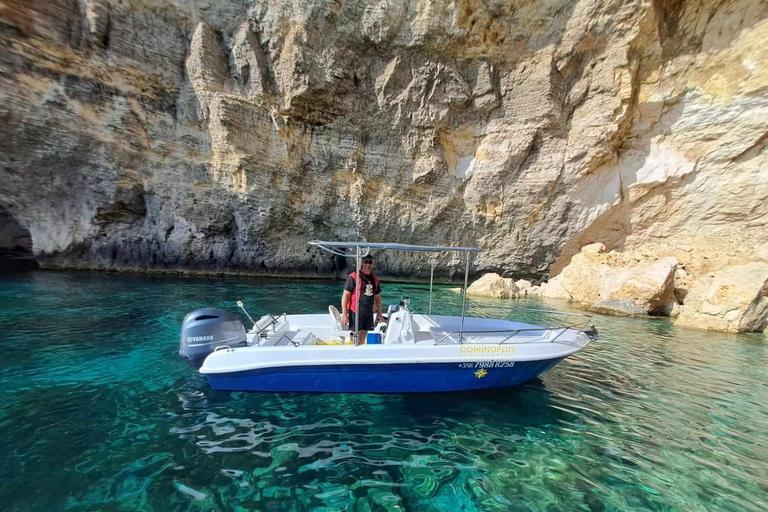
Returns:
(359, 288)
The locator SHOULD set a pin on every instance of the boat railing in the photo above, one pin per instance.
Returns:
(516, 310)
(509, 312)
(562, 327)
(513, 333)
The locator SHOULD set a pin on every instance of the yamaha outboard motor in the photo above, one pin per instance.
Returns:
(203, 330)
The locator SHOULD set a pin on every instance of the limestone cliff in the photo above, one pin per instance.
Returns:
(222, 135)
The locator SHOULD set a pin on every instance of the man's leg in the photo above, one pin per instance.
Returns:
(362, 334)
(366, 324)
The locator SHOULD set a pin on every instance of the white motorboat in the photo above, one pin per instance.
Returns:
(416, 353)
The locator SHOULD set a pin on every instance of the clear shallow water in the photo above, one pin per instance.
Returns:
(99, 413)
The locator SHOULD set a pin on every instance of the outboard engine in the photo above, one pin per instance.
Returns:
(203, 330)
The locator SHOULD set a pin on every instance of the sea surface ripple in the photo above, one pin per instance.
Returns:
(99, 413)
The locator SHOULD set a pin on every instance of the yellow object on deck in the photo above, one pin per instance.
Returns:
(336, 341)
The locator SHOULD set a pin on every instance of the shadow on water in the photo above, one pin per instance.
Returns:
(529, 404)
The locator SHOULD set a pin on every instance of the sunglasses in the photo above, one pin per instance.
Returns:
(368, 262)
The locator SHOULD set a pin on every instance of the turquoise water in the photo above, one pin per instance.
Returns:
(99, 413)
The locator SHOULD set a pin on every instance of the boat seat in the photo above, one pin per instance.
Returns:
(335, 318)
(290, 337)
(275, 337)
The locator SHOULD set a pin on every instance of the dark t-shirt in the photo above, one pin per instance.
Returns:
(369, 289)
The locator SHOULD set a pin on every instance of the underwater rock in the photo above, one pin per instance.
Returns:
(618, 307)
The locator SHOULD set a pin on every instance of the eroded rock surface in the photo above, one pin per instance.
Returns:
(495, 286)
(734, 299)
(221, 136)
(727, 293)
(613, 283)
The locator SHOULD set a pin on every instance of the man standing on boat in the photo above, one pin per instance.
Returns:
(368, 291)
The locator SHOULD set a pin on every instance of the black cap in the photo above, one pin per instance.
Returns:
(367, 259)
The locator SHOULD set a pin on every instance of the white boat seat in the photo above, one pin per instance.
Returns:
(275, 337)
(290, 337)
(335, 318)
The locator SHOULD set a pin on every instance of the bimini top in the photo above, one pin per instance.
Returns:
(338, 247)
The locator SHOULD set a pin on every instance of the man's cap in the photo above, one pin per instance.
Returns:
(368, 259)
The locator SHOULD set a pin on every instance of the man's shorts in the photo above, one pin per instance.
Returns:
(366, 322)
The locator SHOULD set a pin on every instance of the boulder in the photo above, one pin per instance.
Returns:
(734, 299)
(533, 291)
(608, 283)
(553, 289)
(650, 286)
(523, 285)
(493, 285)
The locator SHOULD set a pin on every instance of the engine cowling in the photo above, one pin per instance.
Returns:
(203, 330)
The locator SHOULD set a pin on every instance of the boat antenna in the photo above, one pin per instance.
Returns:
(240, 303)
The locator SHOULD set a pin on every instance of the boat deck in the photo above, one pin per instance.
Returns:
(301, 330)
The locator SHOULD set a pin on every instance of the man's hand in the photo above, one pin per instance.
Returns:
(344, 319)
(381, 318)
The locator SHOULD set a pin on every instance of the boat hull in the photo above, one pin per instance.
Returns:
(384, 378)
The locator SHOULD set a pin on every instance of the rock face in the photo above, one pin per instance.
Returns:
(495, 286)
(730, 296)
(614, 283)
(734, 299)
(222, 135)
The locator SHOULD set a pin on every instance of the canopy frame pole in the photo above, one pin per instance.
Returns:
(464, 300)
(432, 263)
(358, 289)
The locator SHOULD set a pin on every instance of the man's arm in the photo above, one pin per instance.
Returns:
(377, 302)
(345, 296)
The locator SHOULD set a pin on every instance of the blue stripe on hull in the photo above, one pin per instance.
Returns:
(383, 378)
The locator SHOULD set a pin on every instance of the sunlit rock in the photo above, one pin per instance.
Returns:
(495, 286)
(734, 299)
(609, 283)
